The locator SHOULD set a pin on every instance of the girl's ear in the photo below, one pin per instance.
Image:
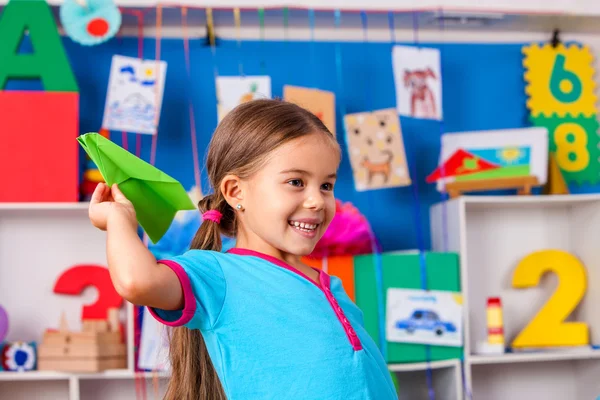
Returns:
(232, 190)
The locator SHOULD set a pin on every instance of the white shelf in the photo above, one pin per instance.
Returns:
(492, 234)
(44, 206)
(534, 357)
(51, 375)
(422, 366)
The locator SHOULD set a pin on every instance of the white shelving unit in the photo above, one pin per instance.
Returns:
(492, 234)
(40, 240)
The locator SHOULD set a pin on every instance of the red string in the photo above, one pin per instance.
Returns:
(158, 36)
(186, 52)
(140, 18)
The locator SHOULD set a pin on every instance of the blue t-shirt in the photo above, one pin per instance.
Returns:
(273, 333)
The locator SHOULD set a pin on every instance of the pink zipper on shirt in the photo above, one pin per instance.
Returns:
(324, 287)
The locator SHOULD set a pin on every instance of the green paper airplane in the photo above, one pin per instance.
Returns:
(155, 196)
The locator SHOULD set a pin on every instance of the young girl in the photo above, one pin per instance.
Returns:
(255, 322)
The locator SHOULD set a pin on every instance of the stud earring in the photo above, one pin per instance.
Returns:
(239, 207)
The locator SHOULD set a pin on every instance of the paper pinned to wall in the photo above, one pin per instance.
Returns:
(154, 345)
(319, 102)
(235, 90)
(418, 81)
(376, 150)
(135, 94)
(426, 317)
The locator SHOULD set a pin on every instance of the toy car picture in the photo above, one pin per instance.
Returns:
(426, 320)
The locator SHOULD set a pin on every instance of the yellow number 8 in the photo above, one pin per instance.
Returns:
(577, 147)
(548, 328)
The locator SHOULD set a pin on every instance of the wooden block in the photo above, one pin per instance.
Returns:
(524, 184)
(82, 350)
(81, 337)
(94, 325)
(114, 324)
(82, 364)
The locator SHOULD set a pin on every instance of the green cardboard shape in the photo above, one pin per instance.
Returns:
(155, 196)
(48, 61)
(403, 270)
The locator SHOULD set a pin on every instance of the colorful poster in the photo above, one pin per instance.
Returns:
(418, 80)
(426, 317)
(319, 102)
(559, 80)
(376, 150)
(135, 94)
(487, 155)
(235, 90)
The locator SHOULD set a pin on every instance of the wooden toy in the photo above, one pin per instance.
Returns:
(99, 346)
(549, 328)
(491, 160)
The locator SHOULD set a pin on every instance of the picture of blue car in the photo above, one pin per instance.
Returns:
(426, 320)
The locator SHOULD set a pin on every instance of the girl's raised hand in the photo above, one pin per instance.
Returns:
(106, 201)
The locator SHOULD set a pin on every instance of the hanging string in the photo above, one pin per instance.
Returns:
(186, 52)
(286, 21)
(311, 25)
(140, 21)
(391, 23)
(237, 19)
(421, 240)
(363, 17)
(157, 94)
(338, 65)
(261, 21)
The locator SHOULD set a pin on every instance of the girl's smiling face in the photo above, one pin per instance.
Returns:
(289, 202)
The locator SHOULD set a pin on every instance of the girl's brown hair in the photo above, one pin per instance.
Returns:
(239, 146)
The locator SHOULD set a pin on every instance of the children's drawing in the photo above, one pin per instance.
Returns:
(490, 155)
(319, 102)
(135, 93)
(235, 90)
(418, 80)
(154, 345)
(425, 317)
(376, 150)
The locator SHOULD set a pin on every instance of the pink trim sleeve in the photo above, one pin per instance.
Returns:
(189, 301)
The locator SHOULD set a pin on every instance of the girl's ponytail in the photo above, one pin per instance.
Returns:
(193, 376)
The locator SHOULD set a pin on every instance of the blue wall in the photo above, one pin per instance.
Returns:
(483, 88)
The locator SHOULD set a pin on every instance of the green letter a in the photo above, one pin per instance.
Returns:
(48, 60)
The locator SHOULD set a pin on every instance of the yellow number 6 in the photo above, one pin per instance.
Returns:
(548, 328)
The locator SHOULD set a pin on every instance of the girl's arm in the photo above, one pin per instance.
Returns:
(135, 274)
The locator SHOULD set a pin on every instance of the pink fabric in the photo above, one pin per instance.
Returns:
(348, 234)
(324, 281)
(212, 215)
(189, 301)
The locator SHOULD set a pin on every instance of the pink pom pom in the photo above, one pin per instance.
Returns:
(348, 234)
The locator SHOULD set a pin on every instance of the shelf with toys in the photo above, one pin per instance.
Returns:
(535, 254)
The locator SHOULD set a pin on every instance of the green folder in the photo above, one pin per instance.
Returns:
(403, 270)
(155, 196)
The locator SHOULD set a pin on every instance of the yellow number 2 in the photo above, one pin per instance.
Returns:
(548, 327)
(571, 155)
